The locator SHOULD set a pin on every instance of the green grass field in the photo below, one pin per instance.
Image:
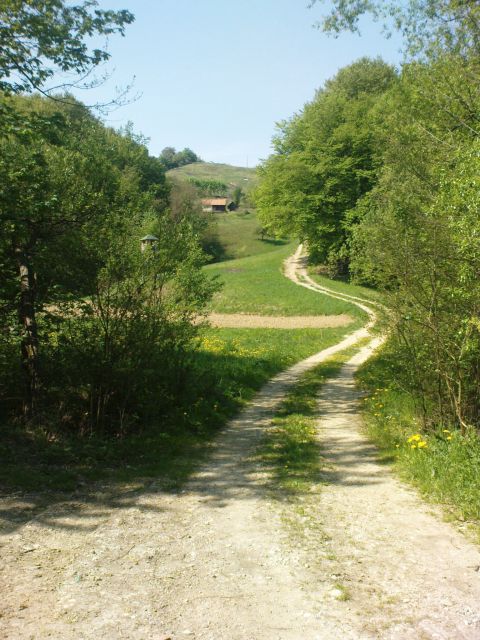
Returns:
(238, 234)
(344, 287)
(255, 284)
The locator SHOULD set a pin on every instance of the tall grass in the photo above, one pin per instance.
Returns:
(439, 460)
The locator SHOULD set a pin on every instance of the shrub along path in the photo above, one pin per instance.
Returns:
(353, 556)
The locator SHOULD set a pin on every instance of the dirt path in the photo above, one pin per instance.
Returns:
(248, 321)
(223, 560)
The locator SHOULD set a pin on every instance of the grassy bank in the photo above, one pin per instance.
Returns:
(441, 462)
(344, 287)
(226, 370)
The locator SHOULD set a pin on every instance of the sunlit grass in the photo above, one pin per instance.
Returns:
(441, 462)
(340, 286)
(256, 284)
(226, 370)
(291, 450)
(238, 234)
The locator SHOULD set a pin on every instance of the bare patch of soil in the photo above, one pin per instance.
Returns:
(247, 321)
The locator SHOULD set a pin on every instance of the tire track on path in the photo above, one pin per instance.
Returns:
(216, 562)
(209, 562)
(408, 574)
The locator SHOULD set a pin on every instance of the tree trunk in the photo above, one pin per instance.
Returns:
(29, 343)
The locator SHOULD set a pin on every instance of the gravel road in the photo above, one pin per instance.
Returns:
(359, 557)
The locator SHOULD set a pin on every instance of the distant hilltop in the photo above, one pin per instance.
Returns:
(243, 177)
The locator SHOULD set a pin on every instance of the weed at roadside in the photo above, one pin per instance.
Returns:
(225, 371)
(440, 461)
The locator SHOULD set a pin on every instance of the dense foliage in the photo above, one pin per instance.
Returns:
(404, 208)
(325, 161)
(171, 159)
(104, 328)
(95, 333)
(39, 38)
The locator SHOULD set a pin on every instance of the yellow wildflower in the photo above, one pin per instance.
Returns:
(416, 437)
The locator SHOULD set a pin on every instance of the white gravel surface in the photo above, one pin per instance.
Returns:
(360, 557)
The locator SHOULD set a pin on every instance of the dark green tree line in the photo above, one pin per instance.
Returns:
(413, 230)
(326, 159)
(172, 159)
(94, 333)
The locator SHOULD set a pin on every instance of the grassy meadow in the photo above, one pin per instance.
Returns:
(255, 284)
(345, 287)
(241, 176)
(239, 235)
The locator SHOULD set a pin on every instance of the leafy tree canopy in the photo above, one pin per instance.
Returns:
(425, 24)
(325, 160)
(41, 37)
(173, 159)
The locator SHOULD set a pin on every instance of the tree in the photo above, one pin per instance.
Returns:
(47, 191)
(167, 156)
(418, 237)
(39, 38)
(173, 159)
(418, 227)
(102, 328)
(237, 195)
(187, 156)
(426, 25)
(325, 161)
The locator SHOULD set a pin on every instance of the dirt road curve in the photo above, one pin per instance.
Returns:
(359, 558)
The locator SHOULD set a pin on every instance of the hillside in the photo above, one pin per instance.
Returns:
(238, 233)
(237, 176)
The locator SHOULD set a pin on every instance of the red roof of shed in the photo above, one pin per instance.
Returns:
(215, 201)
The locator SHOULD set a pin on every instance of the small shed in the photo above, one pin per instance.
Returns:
(148, 241)
(215, 205)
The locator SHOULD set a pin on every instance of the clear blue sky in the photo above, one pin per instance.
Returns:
(216, 75)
